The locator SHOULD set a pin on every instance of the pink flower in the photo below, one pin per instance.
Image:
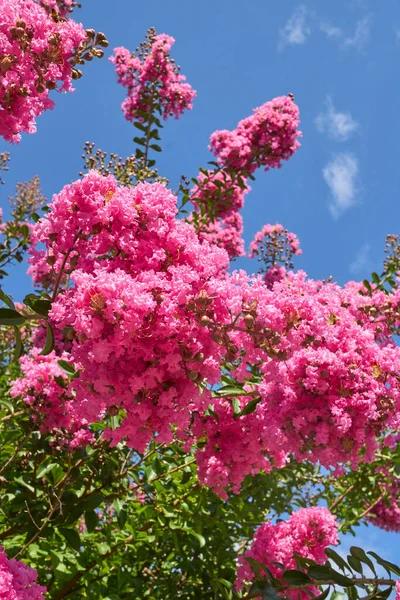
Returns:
(308, 532)
(152, 79)
(32, 42)
(17, 580)
(264, 139)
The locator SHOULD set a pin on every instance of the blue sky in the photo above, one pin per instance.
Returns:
(339, 193)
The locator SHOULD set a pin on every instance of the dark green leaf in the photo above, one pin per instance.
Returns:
(8, 316)
(49, 343)
(91, 520)
(72, 538)
(361, 556)
(19, 348)
(250, 407)
(65, 366)
(355, 564)
(294, 577)
(386, 564)
(7, 300)
(320, 572)
(341, 563)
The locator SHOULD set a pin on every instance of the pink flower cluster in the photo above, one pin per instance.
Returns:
(386, 514)
(153, 80)
(326, 383)
(35, 51)
(274, 246)
(218, 193)
(225, 233)
(308, 532)
(155, 318)
(397, 597)
(135, 269)
(264, 139)
(44, 388)
(18, 581)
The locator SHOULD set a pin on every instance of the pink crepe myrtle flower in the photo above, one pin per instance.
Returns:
(152, 79)
(35, 53)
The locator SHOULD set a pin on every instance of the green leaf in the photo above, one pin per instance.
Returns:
(375, 278)
(250, 407)
(8, 316)
(19, 347)
(230, 390)
(91, 520)
(72, 537)
(319, 572)
(49, 343)
(156, 147)
(341, 563)
(355, 564)
(386, 564)
(44, 469)
(338, 596)
(361, 556)
(65, 366)
(7, 300)
(294, 577)
(340, 579)
(122, 518)
(324, 594)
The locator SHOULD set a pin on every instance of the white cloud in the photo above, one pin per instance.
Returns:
(362, 261)
(341, 176)
(296, 30)
(338, 125)
(361, 34)
(330, 30)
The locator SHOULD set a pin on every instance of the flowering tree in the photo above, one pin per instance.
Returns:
(170, 427)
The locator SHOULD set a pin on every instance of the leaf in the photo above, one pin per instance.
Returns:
(44, 469)
(7, 300)
(361, 556)
(324, 594)
(91, 520)
(250, 407)
(338, 596)
(199, 537)
(341, 563)
(320, 572)
(72, 537)
(375, 278)
(386, 564)
(49, 343)
(122, 518)
(355, 564)
(19, 348)
(230, 390)
(65, 366)
(341, 579)
(156, 147)
(294, 577)
(93, 501)
(8, 316)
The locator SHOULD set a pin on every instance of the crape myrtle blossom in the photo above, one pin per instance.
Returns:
(264, 139)
(386, 513)
(135, 268)
(18, 581)
(329, 385)
(219, 192)
(307, 532)
(226, 233)
(154, 316)
(35, 53)
(274, 244)
(152, 79)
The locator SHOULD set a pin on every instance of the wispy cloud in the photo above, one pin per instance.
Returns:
(362, 261)
(330, 30)
(362, 34)
(296, 30)
(338, 125)
(341, 176)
